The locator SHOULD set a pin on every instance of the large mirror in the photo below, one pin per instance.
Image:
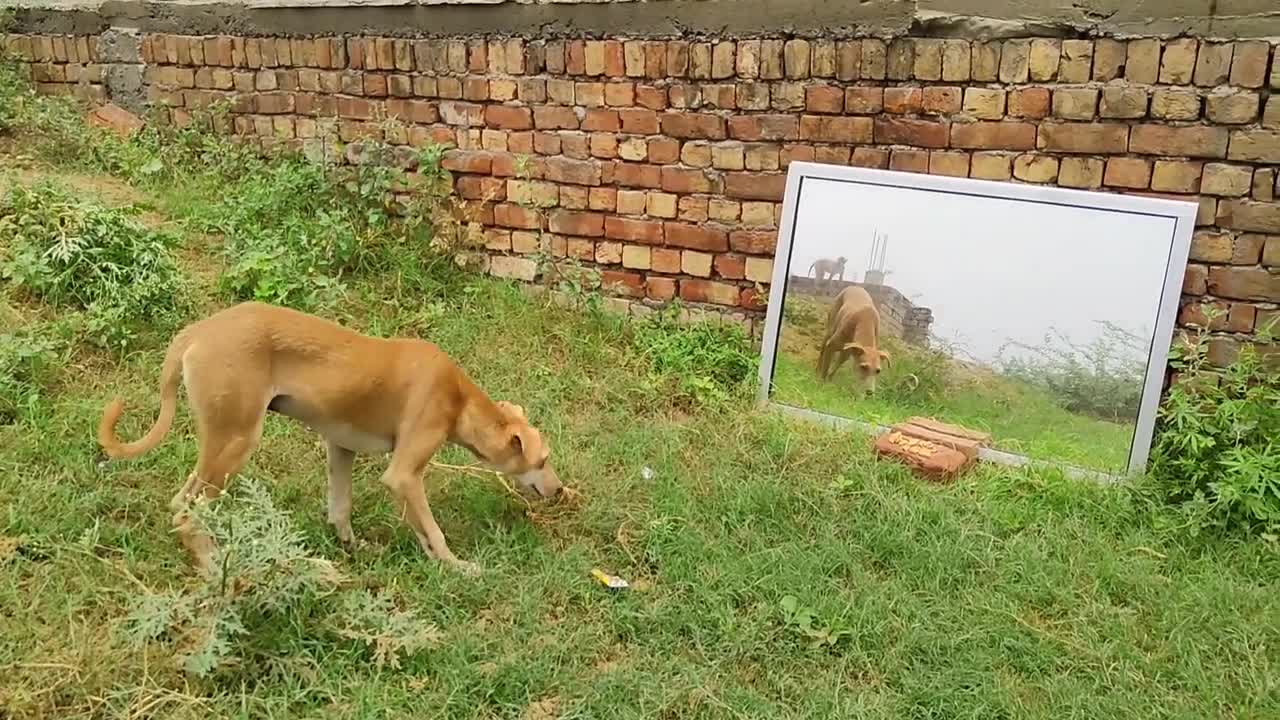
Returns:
(1040, 316)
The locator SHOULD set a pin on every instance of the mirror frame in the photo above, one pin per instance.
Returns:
(1182, 213)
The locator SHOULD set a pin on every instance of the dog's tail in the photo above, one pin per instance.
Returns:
(170, 374)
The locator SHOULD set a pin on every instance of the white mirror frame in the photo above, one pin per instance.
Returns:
(1183, 214)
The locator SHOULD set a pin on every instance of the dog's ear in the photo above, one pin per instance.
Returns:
(885, 357)
(525, 441)
(855, 348)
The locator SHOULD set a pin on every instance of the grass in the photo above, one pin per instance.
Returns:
(778, 570)
(1021, 418)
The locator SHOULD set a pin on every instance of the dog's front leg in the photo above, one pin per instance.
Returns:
(404, 479)
(340, 462)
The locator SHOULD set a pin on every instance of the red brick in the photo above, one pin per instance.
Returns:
(909, 161)
(905, 131)
(515, 216)
(851, 130)
(755, 186)
(824, 99)
(568, 222)
(651, 97)
(1133, 173)
(753, 299)
(475, 187)
(1030, 103)
(575, 172)
(941, 100)
(693, 126)
(619, 282)
(754, 242)
(637, 174)
(795, 153)
(663, 151)
(1210, 142)
(708, 291)
(468, 161)
(730, 266)
(1244, 283)
(555, 117)
(1091, 138)
(903, 101)
(696, 237)
(680, 180)
(994, 135)
(639, 121)
(764, 127)
(601, 121)
(660, 288)
(870, 157)
(649, 232)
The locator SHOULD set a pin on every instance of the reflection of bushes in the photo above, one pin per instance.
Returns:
(1102, 379)
(914, 375)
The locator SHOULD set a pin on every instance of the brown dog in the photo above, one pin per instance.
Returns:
(853, 327)
(363, 394)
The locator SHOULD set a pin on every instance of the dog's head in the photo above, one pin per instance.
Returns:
(870, 362)
(526, 457)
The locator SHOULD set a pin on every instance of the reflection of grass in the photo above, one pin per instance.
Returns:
(1021, 418)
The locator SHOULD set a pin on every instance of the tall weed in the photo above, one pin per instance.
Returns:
(1217, 450)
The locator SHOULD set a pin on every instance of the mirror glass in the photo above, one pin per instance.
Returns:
(1031, 316)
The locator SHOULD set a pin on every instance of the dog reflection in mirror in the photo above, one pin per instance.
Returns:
(853, 329)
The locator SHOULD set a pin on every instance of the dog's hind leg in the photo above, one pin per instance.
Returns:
(340, 461)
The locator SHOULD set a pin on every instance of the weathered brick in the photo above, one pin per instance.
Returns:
(955, 60)
(635, 257)
(708, 291)
(928, 60)
(730, 266)
(754, 242)
(759, 269)
(833, 129)
(589, 94)
(822, 61)
(1123, 101)
(1075, 103)
(693, 209)
(693, 126)
(748, 59)
(619, 94)
(1142, 63)
(796, 59)
(1177, 65)
(728, 156)
(991, 166)
(681, 180)
(603, 145)
(994, 135)
(1032, 103)
(1271, 254)
(1262, 217)
(848, 60)
(1249, 63)
(1204, 142)
(722, 60)
(1044, 58)
(874, 59)
(1080, 172)
(1226, 180)
(761, 156)
(904, 131)
(1271, 115)
(1213, 64)
(1175, 104)
(1033, 168)
(724, 211)
(787, 96)
(1179, 176)
(863, 100)
(1243, 283)
(903, 100)
(1247, 249)
(569, 222)
(1232, 107)
(1077, 61)
(660, 288)
(949, 162)
(756, 214)
(575, 172)
(795, 153)
(555, 117)
(1015, 58)
(985, 65)
(1265, 184)
(941, 100)
(831, 154)
(649, 232)
(982, 103)
(505, 117)
(900, 59)
(1133, 173)
(755, 186)
(1195, 280)
(764, 127)
(824, 99)
(696, 154)
(1088, 138)
(916, 161)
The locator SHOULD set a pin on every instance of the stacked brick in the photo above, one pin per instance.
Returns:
(662, 163)
(60, 64)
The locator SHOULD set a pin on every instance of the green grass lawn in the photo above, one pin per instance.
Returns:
(1007, 594)
(1020, 418)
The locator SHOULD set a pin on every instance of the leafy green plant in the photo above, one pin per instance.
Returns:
(804, 621)
(74, 254)
(1217, 450)
(263, 572)
(1102, 379)
(28, 359)
(707, 361)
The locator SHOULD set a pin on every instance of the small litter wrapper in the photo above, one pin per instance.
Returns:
(613, 582)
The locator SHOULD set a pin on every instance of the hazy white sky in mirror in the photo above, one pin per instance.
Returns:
(992, 269)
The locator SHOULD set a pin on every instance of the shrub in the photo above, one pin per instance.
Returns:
(27, 361)
(263, 573)
(1217, 449)
(73, 254)
(706, 361)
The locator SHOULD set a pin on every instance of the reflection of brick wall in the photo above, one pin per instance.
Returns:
(899, 317)
(661, 162)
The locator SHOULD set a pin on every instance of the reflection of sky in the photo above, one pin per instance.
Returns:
(991, 269)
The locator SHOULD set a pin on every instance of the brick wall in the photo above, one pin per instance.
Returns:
(661, 162)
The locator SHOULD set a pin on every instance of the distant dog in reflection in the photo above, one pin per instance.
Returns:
(853, 328)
